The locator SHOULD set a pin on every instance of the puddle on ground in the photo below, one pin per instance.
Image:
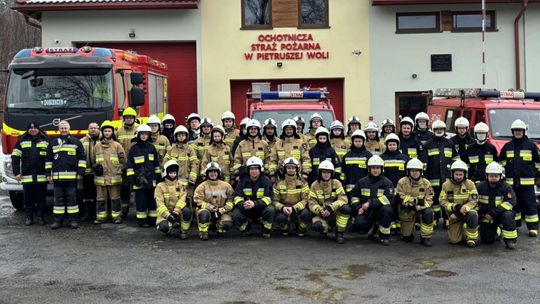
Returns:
(239, 302)
(440, 273)
(352, 272)
(316, 277)
(306, 293)
(425, 263)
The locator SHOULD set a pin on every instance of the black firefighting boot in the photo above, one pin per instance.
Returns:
(29, 217)
(340, 239)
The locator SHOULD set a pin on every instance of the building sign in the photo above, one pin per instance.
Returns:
(286, 47)
(441, 62)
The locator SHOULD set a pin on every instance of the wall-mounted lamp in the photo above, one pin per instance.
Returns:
(132, 33)
(414, 76)
(357, 53)
(279, 64)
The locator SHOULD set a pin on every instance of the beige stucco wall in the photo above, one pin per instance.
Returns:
(224, 45)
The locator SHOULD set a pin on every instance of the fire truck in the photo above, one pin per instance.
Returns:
(498, 109)
(289, 101)
(80, 85)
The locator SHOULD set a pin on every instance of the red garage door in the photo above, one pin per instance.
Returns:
(240, 87)
(181, 60)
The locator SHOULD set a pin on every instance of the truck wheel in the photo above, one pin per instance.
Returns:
(17, 200)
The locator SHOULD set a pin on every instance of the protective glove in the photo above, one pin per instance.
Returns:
(98, 170)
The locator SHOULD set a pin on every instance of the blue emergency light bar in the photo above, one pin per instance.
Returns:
(293, 95)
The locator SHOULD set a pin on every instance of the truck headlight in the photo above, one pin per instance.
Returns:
(8, 168)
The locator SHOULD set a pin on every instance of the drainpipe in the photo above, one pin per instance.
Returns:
(524, 6)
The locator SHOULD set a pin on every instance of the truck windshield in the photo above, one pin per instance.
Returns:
(280, 116)
(500, 121)
(49, 89)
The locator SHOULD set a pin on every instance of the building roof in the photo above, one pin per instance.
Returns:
(36, 6)
(408, 2)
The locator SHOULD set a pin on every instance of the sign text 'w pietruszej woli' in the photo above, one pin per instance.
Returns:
(286, 47)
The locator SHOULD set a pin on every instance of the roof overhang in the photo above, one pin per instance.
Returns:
(35, 7)
(442, 2)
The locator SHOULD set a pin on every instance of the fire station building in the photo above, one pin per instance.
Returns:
(376, 57)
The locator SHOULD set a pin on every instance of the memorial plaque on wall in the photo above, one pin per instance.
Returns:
(441, 62)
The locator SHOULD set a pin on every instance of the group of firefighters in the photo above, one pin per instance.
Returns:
(381, 181)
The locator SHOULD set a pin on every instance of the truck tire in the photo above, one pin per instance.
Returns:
(17, 200)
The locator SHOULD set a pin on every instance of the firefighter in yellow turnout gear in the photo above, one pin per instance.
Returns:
(218, 152)
(110, 159)
(414, 199)
(292, 145)
(231, 132)
(459, 199)
(328, 203)
(170, 198)
(161, 142)
(291, 196)
(125, 135)
(214, 199)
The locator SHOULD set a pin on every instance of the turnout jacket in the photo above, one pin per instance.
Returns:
(495, 199)
(221, 154)
(326, 194)
(260, 191)
(461, 144)
(29, 156)
(295, 147)
(125, 136)
(478, 157)
(440, 155)
(520, 160)
(394, 165)
(412, 147)
(186, 157)
(89, 145)
(377, 190)
(65, 159)
(419, 193)
(454, 196)
(253, 146)
(319, 153)
(143, 169)
(110, 155)
(354, 166)
(170, 196)
(162, 145)
(214, 193)
(291, 192)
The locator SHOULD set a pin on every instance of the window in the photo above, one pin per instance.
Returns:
(480, 117)
(256, 14)
(313, 14)
(451, 117)
(418, 22)
(472, 21)
(120, 90)
(157, 98)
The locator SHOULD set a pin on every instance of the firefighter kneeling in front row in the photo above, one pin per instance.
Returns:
(214, 202)
(496, 200)
(371, 199)
(328, 202)
(414, 197)
(458, 199)
(290, 199)
(253, 199)
(170, 196)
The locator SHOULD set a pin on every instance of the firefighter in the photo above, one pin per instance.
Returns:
(414, 197)
(315, 122)
(28, 161)
(373, 143)
(337, 139)
(219, 153)
(109, 159)
(253, 199)
(89, 189)
(200, 145)
(159, 141)
(291, 144)
(186, 158)
(520, 159)
(371, 199)
(353, 124)
(169, 124)
(496, 202)
(214, 199)
(291, 196)
(421, 128)
(459, 198)
(387, 127)
(440, 154)
(143, 172)
(355, 161)
(269, 132)
(320, 152)
(193, 122)
(170, 197)
(241, 136)
(328, 203)
(462, 140)
(253, 145)
(480, 153)
(410, 145)
(65, 165)
(394, 170)
(231, 132)
(125, 135)
(300, 124)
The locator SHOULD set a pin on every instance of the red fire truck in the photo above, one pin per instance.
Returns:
(80, 85)
(285, 104)
(496, 108)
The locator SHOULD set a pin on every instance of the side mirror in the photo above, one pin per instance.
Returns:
(136, 78)
(137, 97)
